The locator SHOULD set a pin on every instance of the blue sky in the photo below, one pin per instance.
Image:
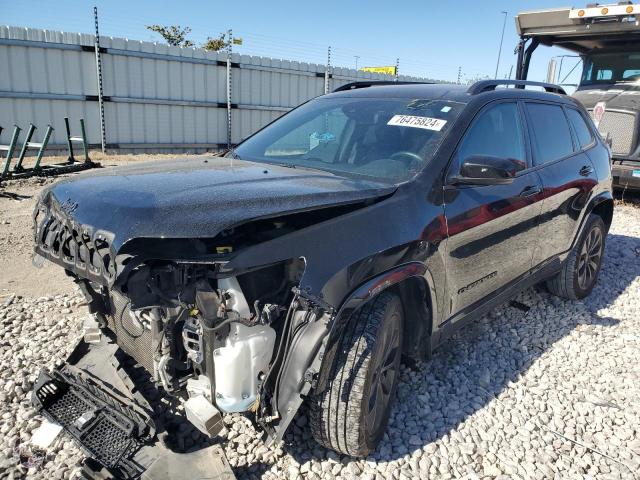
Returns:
(431, 38)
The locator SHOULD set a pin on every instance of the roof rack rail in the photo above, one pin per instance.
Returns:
(488, 85)
(374, 83)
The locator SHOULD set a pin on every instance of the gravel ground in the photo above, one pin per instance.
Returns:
(548, 392)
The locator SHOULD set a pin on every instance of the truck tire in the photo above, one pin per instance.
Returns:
(579, 273)
(352, 412)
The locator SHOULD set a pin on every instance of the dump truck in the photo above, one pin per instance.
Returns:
(607, 38)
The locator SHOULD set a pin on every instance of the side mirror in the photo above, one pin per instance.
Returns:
(488, 170)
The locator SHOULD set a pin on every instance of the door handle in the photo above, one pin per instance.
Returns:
(530, 191)
(586, 170)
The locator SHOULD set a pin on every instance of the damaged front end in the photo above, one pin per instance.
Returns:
(217, 339)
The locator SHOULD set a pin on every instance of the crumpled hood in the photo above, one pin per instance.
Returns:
(198, 198)
(621, 96)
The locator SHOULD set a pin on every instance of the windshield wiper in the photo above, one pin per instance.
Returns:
(303, 167)
(285, 165)
(229, 153)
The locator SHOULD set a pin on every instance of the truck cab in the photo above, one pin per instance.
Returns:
(607, 38)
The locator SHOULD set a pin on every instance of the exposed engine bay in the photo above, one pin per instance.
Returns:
(219, 340)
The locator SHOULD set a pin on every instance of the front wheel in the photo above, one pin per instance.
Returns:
(351, 414)
(580, 271)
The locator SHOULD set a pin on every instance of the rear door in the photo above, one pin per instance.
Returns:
(491, 228)
(560, 138)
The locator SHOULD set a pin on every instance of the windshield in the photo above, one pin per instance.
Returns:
(387, 139)
(611, 68)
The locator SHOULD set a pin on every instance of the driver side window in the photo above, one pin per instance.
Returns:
(496, 132)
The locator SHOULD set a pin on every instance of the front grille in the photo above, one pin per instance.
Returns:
(74, 246)
(109, 428)
(621, 126)
(136, 341)
(104, 438)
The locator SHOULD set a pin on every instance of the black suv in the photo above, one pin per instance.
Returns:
(363, 225)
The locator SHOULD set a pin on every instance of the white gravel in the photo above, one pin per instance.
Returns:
(553, 392)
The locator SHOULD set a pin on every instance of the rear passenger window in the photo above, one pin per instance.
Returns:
(580, 127)
(496, 132)
(551, 134)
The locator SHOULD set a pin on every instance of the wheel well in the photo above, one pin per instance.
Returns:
(416, 304)
(605, 211)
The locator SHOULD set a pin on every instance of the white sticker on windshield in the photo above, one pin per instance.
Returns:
(426, 123)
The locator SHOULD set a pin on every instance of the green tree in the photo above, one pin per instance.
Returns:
(216, 44)
(174, 35)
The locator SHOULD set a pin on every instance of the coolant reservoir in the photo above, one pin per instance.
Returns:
(238, 364)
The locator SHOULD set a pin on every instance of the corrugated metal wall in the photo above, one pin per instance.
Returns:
(157, 96)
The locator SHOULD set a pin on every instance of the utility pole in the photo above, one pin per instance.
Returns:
(504, 23)
(357, 57)
(459, 74)
(229, 51)
(327, 71)
(397, 68)
(96, 45)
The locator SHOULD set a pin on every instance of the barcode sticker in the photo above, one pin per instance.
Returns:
(426, 123)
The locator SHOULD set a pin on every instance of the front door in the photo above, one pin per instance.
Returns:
(491, 228)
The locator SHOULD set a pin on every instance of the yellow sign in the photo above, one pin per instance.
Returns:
(237, 41)
(385, 70)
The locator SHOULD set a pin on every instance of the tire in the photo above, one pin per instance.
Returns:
(340, 417)
(580, 271)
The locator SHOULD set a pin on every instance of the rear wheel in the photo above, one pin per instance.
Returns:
(351, 414)
(580, 271)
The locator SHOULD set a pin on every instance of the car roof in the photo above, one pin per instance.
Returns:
(407, 90)
(445, 91)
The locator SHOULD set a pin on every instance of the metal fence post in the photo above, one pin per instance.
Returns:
(103, 133)
(43, 146)
(85, 144)
(10, 150)
(25, 145)
(229, 51)
(327, 71)
(70, 157)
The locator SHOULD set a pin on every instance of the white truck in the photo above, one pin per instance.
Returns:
(607, 38)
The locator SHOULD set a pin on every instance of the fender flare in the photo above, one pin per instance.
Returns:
(365, 293)
(597, 200)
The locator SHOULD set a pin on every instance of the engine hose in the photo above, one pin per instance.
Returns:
(124, 329)
(231, 319)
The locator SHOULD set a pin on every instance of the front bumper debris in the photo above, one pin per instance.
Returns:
(98, 404)
(108, 429)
